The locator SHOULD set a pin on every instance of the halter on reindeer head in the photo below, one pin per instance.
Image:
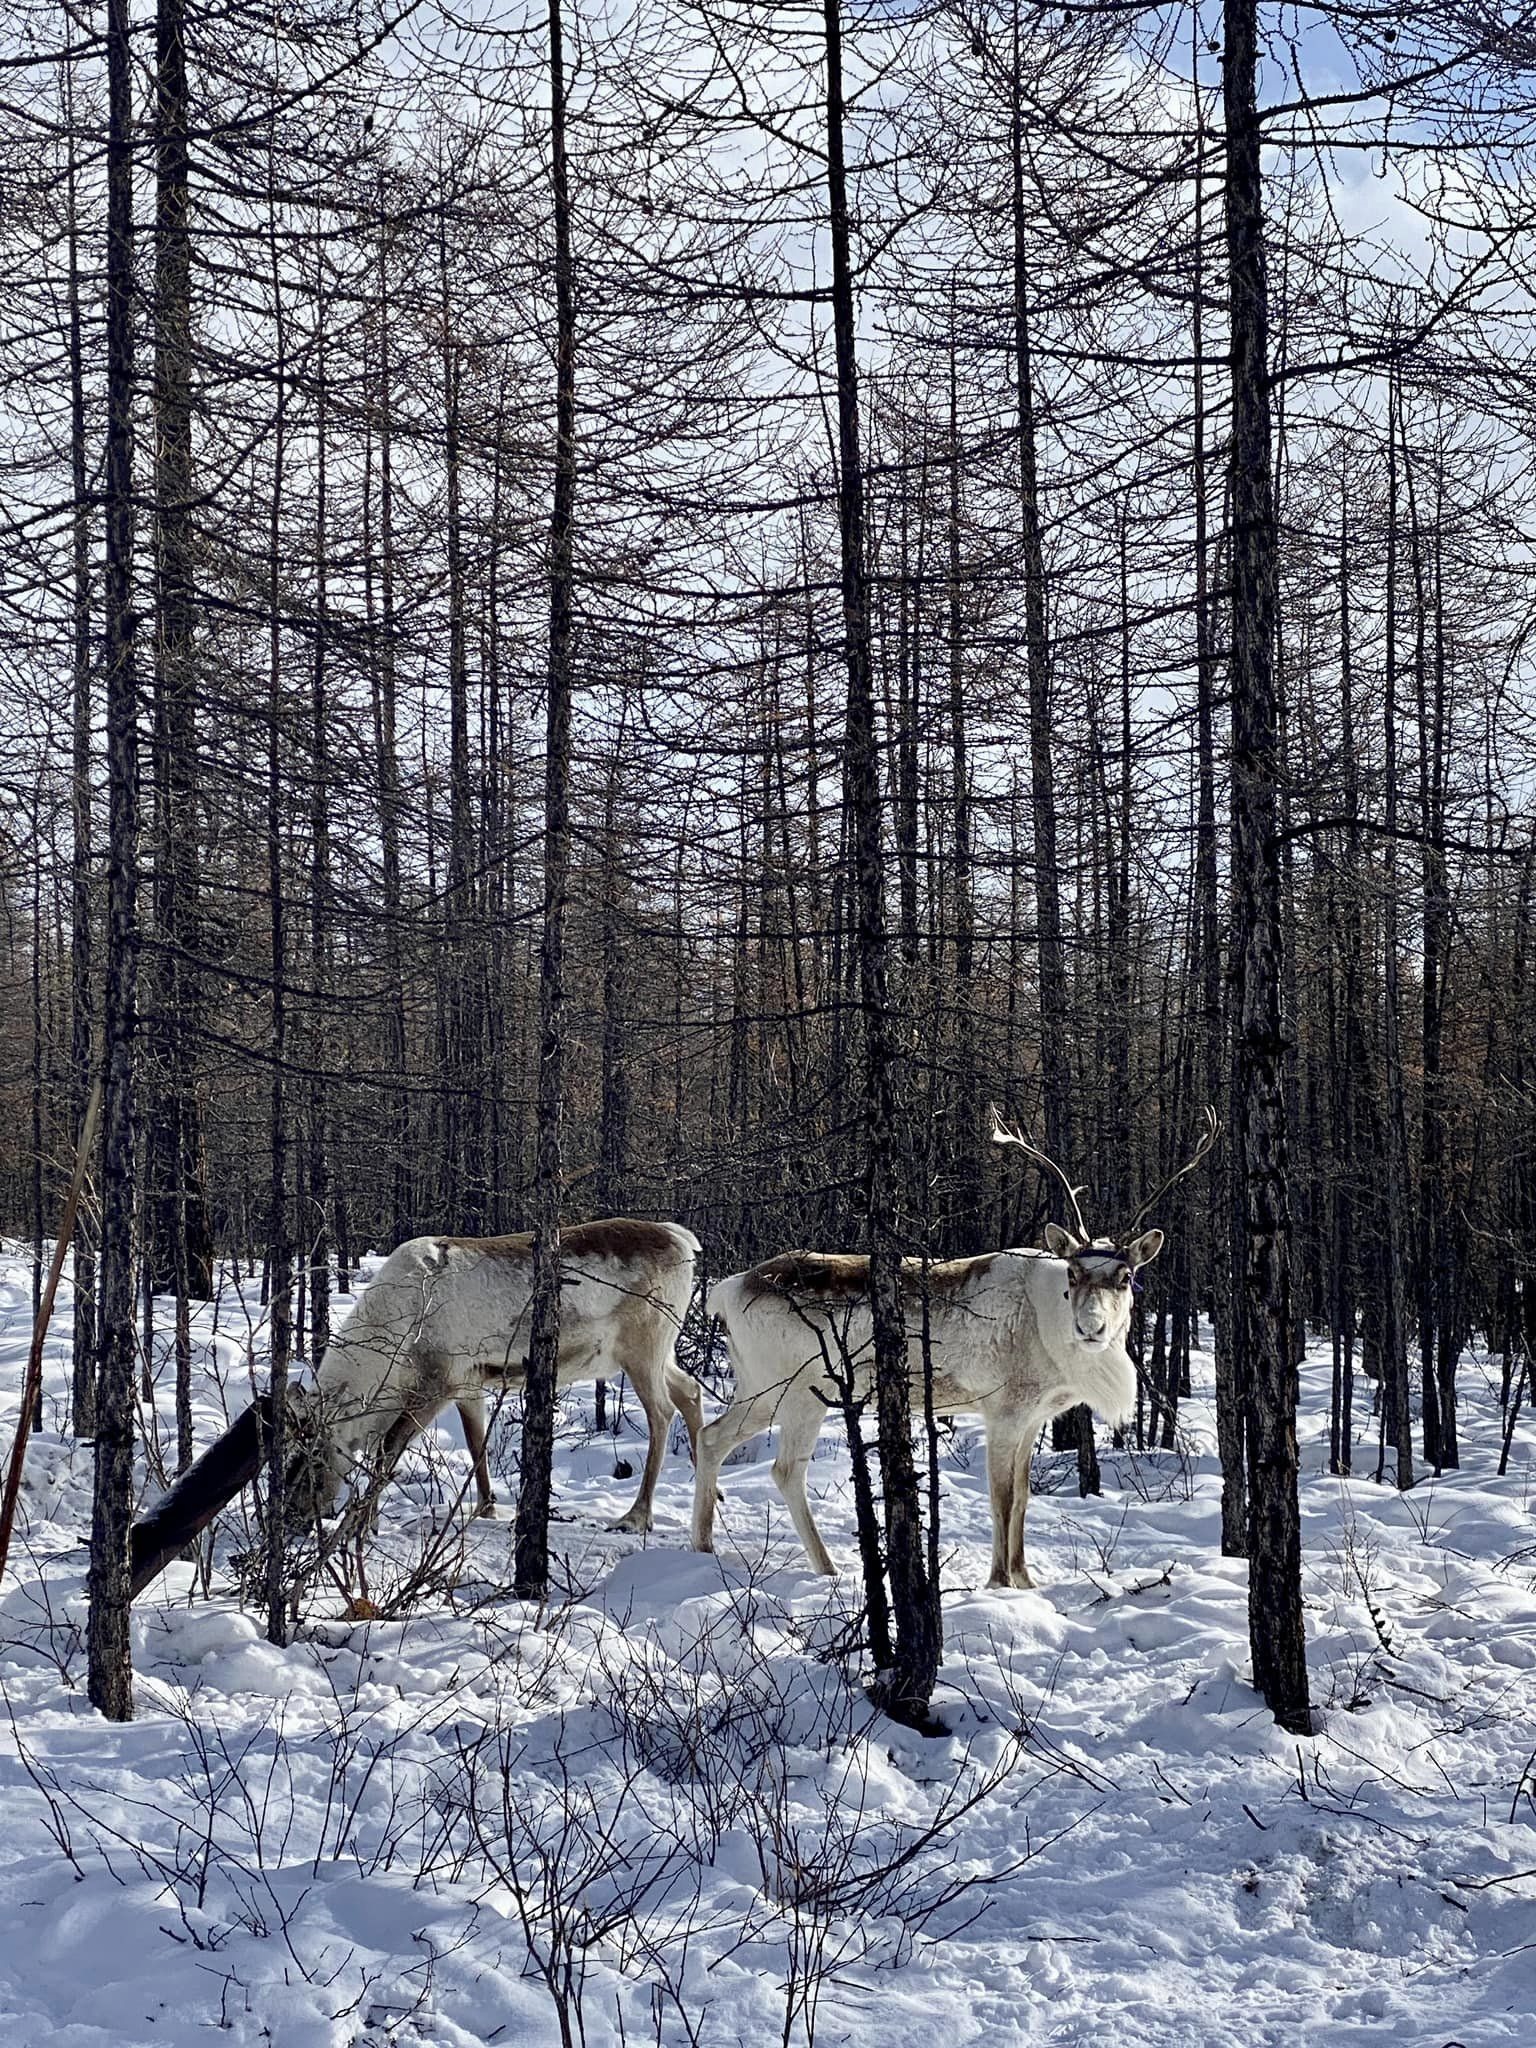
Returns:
(1100, 1268)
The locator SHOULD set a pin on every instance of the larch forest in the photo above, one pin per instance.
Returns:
(891, 630)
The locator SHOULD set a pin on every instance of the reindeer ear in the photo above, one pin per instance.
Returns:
(1144, 1249)
(1060, 1243)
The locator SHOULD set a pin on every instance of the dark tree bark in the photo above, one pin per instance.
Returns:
(35, 1149)
(279, 1224)
(1229, 1404)
(179, 1228)
(110, 1676)
(1275, 1625)
(613, 1104)
(907, 1685)
(1075, 1428)
(967, 1144)
(1437, 1341)
(907, 749)
(614, 1096)
(1055, 1064)
(1449, 1236)
(178, 1231)
(82, 1056)
(531, 1539)
(279, 1217)
(387, 768)
(1347, 910)
(1119, 1174)
(316, 1229)
(464, 1151)
(1397, 1410)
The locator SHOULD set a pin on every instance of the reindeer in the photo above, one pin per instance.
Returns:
(1015, 1336)
(446, 1318)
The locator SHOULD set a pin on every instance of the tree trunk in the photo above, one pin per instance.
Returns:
(967, 1144)
(906, 1686)
(531, 1564)
(1346, 912)
(1275, 1625)
(1436, 1341)
(178, 1237)
(1075, 1428)
(110, 1665)
(1397, 1412)
(82, 1055)
(464, 1147)
(613, 1106)
(387, 775)
(178, 1221)
(907, 807)
(279, 1223)
(1450, 1236)
(1229, 1403)
(316, 1234)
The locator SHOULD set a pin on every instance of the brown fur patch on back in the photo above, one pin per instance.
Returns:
(948, 1276)
(844, 1276)
(621, 1237)
(609, 1237)
(818, 1276)
(516, 1245)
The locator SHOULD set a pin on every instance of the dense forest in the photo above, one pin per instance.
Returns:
(644, 612)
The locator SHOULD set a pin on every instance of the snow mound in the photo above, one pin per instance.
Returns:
(663, 1806)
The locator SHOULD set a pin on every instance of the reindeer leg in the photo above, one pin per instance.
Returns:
(688, 1400)
(472, 1416)
(1018, 1570)
(398, 1438)
(1003, 1439)
(402, 1432)
(800, 1421)
(717, 1440)
(658, 1417)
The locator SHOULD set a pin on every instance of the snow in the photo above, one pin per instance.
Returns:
(663, 1799)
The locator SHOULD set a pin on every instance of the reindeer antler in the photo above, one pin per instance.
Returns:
(1011, 1134)
(1210, 1130)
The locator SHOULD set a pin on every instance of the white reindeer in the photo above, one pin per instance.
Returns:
(1014, 1336)
(445, 1318)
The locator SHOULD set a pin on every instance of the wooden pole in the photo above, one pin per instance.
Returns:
(210, 1483)
(33, 1384)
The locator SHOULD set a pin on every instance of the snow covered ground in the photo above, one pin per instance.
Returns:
(661, 1810)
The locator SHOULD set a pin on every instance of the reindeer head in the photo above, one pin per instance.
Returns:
(1101, 1271)
(315, 1464)
(1100, 1278)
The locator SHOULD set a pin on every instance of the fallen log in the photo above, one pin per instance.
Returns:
(208, 1484)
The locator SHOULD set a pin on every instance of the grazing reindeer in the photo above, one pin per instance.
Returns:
(1014, 1336)
(447, 1317)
